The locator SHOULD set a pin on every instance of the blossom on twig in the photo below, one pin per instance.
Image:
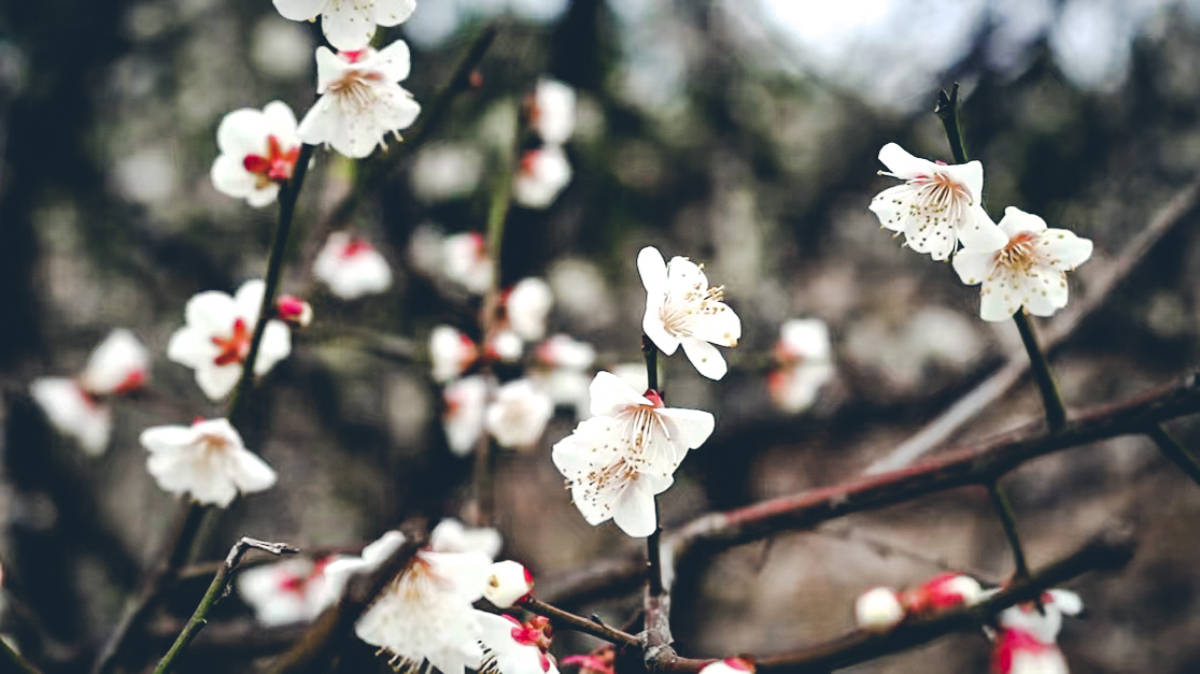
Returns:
(207, 460)
(259, 150)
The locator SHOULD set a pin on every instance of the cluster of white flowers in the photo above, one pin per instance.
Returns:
(1020, 263)
(544, 171)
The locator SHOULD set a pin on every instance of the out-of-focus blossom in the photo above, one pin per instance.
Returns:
(1024, 265)
(563, 370)
(446, 171)
(281, 50)
(518, 414)
(1018, 652)
(465, 261)
(450, 535)
(451, 352)
(341, 570)
(505, 346)
(352, 267)
(513, 647)
(803, 352)
(551, 110)
(285, 592)
(294, 311)
(599, 661)
(215, 339)
(1042, 623)
(348, 24)
(618, 460)
(681, 309)
(878, 610)
(120, 364)
(728, 666)
(206, 460)
(542, 174)
(507, 583)
(582, 293)
(942, 592)
(259, 150)
(360, 101)
(526, 306)
(465, 412)
(937, 206)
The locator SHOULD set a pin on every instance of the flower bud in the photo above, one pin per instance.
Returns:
(508, 583)
(878, 610)
(294, 311)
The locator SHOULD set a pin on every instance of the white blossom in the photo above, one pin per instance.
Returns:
(360, 101)
(518, 414)
(215, 339)
(451, 352)
(526, 306)
(618, 460)
(206, 460)
(563, 370)
(285, 592)
(507, 583)
(505, 346)
(259, 150)
(351, 267)
(805, 365)
(681, 309)
(543, 173)
(1024, 264)
(450, 535)
(878, 610)
(937, 206)
(465, 261)
(1045, 624)
(348, 24)
(551, 109)
(464, 413)
(513, 647)
(1018, 652)
(120, 364)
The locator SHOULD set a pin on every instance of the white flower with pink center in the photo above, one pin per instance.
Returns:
(518, 414)
(805, 364)
(360, 101)
(937, 206)
(451, 352)
(207, 460)
(618, 460)
(513, 647)
(351, 267)
(259, 150)
(286, 592)
(728, 666)
(551, 110)
(1024, 265)
(526, 306)
(504, 345)
(464, 412)
(681, 309)
(542, 174)
(1045, 623)
(466, 262)
(451, 535)
(78, 407)
(348, 24)
(215, 339)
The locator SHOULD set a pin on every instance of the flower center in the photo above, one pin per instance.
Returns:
(939, 197)
(355, 247)
(276, 166)
(235, 347)
(1019, 253)
(677, 312)
(356, 89)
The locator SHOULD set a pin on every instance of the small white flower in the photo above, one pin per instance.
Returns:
(507, 583)
(542, 174)
(120, 364)
(348, 24)
(937, 206)
(352, 267)
(465, 261)
(360, 101)
(464, 413)
(450, 535)
(682, 309)
(1043, 625)
(728, 666)
(618, 460)
(513, 647)
(450, 353)
(285, 592)
(563, 351)
(425, 615)
(805, 364)
(1023, 265)
(215, 339)
(519, 414)
(505, 346)
(878, 610)
(74, 412)
(1018, 652)
(207, 460)
(551, 109)
(526, 306)
(259, 150)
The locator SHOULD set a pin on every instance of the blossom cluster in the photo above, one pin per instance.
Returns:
(544, 171)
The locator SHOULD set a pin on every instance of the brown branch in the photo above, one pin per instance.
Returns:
(968, 466)
(566, 620)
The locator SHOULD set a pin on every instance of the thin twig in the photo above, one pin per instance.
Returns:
(567, 620)
(1004, 511)
(14, 661)
(1176, 452)
(217, 590)
(1056, 412)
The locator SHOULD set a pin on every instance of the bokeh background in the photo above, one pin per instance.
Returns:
(738, 132)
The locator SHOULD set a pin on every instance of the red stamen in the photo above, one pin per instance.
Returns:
(355, 246)
(132, 382)
(654, 397)
(234, 348)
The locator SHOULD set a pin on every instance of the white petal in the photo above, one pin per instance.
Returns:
(705, 357)
(242, 132)
(263, 196)
(904, 165)
(977, 230)
(1066, 601)
(1062, 249)
(250, 473)
(970, 175)
(299, 10)
(973, 265)
(275, 346)
(230, 177)
(1016, 221)
(211, 312)
(652, 325)
(938, 239)
(191, 347)
(653, 270)
(999, 298)
(634, 512)
(167, 438)
(891, 206)
(688, 428)
(249, 299)
(281, 122)
(392, 12)
(330, 68)
(119, 357)
(394, 61)
(721, 327)
(610, 395)
(1045, 291)
(348, 26)
(218, 380)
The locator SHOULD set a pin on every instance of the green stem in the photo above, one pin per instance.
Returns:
(14, 662)
(1177, 453)
(1005, 512)
(1056, 413)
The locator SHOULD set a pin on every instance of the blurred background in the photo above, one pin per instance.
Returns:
(743, 133)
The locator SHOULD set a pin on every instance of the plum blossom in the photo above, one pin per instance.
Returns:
(450, 535)
(1018, 652)
(728, 666)
(508, 582)
(681, 309)
(259, 150)
(1023, 265)
(1045, 624)
(562, 369)
(504, 345)
(942, 592)
(878, 610)
(518, 414)
(360, 101)
(618, 460)
(513, 647)
(351, 267)
(551, 110)
(206, 460)
(526, 306)
(937, 206)
(285, 592)
(78, 407)
(542, 174)
(465, 412)
(805, 365)
(465, 261)
(215, 339)
(348, 24)
(451, 352)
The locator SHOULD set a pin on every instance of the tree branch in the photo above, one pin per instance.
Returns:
(567, 620)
